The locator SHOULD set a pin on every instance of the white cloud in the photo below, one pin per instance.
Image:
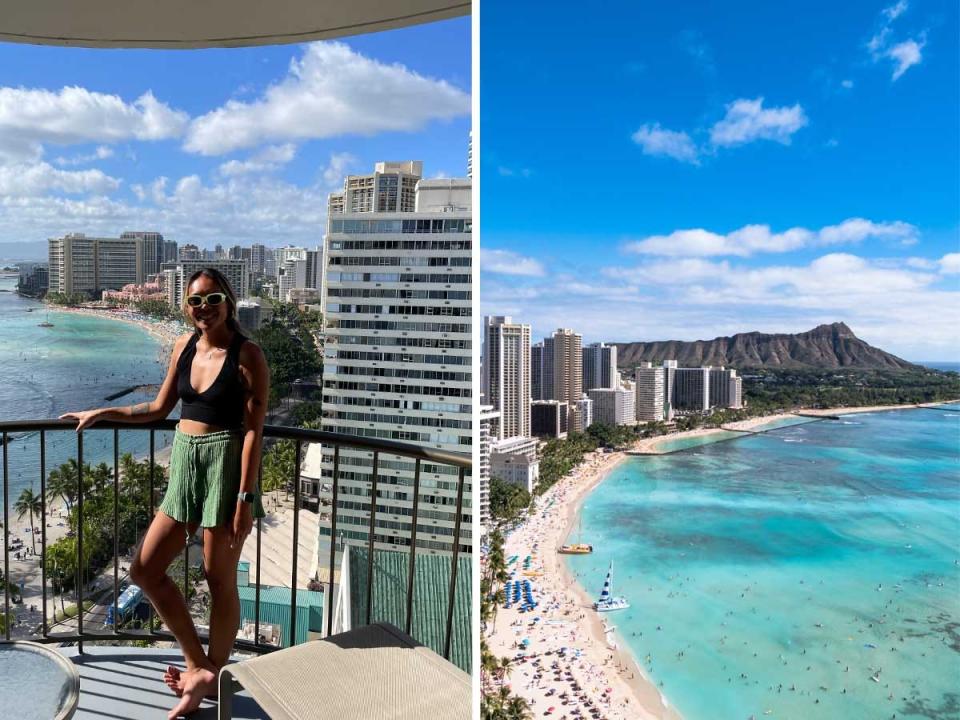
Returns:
(330, 91)
(505, 171)
(245, 208)
(336, 170)
(846, 84)
(506, 262)
(895, 11)
(950, 264)
(77, 115)
(747, 120)
(102, 152)
(656, 141)
(269, 158)
(854, 230)
(886, 304)
(751, 239)
(26, 180)
(905, 54)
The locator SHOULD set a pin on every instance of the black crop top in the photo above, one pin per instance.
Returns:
(222, 403)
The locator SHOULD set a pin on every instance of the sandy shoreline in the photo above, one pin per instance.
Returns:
(566, 620)
(655, 445)
(565, 608)
(165, 332)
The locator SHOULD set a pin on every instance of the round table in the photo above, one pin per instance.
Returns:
(36, 682)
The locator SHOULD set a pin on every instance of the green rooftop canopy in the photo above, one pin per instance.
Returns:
(183, 24)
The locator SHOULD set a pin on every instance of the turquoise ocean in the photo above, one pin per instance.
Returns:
(73, 365)
(808, 572)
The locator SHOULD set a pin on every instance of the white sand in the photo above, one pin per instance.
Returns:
(567, 620)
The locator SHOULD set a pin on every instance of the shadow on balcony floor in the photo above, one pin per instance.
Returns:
(127, 684)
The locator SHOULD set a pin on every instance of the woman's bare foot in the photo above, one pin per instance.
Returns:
(173, 679)
(197, 684)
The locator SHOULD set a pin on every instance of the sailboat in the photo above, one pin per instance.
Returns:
(607, 601)
(578, 548)
(46, 323)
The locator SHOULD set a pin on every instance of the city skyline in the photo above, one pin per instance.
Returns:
(100, 141)
(722, 170)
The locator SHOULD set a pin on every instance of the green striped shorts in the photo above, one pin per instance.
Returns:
(205, 479)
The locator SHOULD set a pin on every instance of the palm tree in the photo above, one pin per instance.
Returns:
(29, 503)
(516, 708)
(63, 482)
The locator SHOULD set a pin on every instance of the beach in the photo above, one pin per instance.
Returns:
(594, 661)
(165, 332)
(665, 443)
(595, 658)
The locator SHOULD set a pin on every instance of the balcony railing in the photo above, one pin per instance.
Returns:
(10, 430)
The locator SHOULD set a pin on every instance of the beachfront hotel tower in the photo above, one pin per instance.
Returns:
(506, 375)
(80, 264)
(396, 300)
(562, 377)
(600, 367)
(651, 402)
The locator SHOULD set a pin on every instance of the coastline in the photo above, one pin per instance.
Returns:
(567, 618)
(164, 332)
(655, 445)
(608, 661)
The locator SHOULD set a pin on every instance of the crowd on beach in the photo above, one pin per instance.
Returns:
(565, 661)
(164, 331)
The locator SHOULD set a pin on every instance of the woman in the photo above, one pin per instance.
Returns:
(222, 380)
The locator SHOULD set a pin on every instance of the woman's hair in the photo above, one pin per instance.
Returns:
(218, 277)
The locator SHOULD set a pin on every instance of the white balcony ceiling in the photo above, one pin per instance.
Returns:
(187, 24)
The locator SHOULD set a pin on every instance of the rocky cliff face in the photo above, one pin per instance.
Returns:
(824, 347)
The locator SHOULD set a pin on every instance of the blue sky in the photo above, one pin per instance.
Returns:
(690, 170)
(227, 145)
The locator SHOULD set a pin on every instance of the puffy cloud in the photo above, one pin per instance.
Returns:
(506, 262)
(885, 302)
(330, 91)
(268, 159)
(905, 55)
(654, 140)
(950, 264)
(336, 169)
(77, 115)
(39, 178)
(747, 120)
(856, 230)
(752, 239)
(245, 208)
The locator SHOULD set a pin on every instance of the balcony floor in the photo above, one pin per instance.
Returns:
(126, 683)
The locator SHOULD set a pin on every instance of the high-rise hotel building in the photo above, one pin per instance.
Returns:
(562, 375)
(397, 360)
(506, 375)
(600, 367)
(89, 265)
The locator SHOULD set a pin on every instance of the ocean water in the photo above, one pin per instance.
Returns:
(74, 365)
(808, 572)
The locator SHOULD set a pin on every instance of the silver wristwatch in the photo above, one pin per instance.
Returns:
(247, 497)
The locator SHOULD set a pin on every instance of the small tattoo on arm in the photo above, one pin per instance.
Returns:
(141, 409)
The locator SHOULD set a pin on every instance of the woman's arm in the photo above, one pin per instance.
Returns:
(256, 378)
(146, 412)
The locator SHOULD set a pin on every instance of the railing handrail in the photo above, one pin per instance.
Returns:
(284, 432)
(10, 429)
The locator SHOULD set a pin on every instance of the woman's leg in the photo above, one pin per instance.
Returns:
(220, 563)
(164, 540)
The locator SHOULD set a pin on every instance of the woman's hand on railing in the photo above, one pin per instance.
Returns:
(84, 418)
